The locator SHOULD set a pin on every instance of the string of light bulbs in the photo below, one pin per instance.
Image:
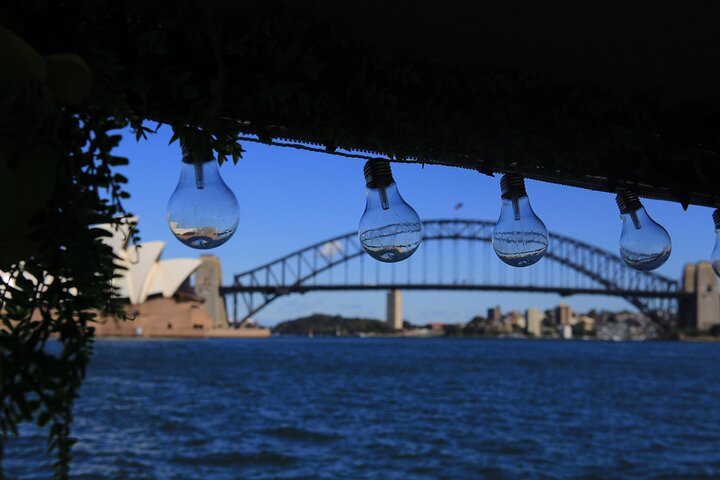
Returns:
(203, 213)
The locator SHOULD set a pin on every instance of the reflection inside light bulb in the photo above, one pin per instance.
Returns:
(390, 230)
(520, 238)
(202, 212)
(392, 243)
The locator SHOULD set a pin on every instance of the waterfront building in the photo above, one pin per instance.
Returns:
(587, 322)
(494, 314)
(516, 318)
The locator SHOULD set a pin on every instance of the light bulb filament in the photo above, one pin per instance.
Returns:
(382, 192)
(516, 208)
(635, 220)
(199, 175)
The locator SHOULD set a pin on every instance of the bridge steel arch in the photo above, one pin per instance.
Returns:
(597, 271)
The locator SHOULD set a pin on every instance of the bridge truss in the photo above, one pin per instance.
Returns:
(454, 255)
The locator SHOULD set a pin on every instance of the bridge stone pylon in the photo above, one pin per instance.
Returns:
(395, 309)
(700, 308)
(208, 280)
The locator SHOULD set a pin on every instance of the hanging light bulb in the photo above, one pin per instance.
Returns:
(390, 230)
(202, 211)
(644, 244)
(519, 238)
(715, 257)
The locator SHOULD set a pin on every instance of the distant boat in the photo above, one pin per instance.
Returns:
(310, 333)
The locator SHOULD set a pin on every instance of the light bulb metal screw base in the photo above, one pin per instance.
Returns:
(378, 173)
(188, 157)
(716, 218)
(628, 202)
(512, 185)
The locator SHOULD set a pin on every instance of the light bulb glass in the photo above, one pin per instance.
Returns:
(202, 211)
(715, 257)
(644, 244)
(390, 230)
(520, 238)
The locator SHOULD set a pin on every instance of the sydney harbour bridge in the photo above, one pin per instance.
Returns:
(455, 255)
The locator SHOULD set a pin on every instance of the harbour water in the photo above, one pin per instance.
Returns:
(292, 408)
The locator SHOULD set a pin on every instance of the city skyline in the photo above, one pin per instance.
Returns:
(310, 197)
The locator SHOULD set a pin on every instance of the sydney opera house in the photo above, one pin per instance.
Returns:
(164, 300)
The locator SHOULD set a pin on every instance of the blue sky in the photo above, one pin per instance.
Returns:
(290, 199)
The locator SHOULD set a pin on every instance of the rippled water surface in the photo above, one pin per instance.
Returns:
(392, 409)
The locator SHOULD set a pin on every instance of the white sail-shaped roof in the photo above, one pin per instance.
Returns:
(141, 261)
(169, 275)
(145, 274)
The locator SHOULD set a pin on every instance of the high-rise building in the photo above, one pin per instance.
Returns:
(563, 314)
(533, 321)
(494, 314)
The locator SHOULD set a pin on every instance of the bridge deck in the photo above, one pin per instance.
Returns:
(564, 291)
